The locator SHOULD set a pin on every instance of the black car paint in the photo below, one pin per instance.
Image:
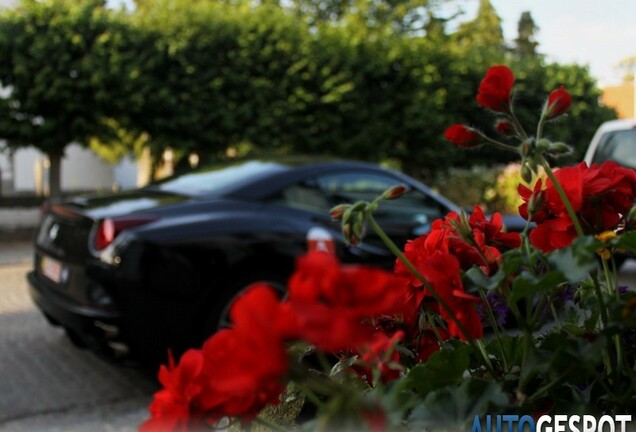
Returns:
(166, 279)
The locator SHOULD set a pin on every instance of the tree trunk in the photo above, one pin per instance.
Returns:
(55, 175)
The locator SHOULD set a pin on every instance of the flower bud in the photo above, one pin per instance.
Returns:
(505, 128)
(558, 103)
(543, 144)
(526, 173)
(348, 234)
(337, 213)
(463, 136)
(394, 192)
(560, 148)
(495, 89)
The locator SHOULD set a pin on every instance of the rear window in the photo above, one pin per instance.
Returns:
(619, 146)
(218, 178)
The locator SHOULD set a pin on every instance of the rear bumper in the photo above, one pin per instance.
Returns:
(94, 328)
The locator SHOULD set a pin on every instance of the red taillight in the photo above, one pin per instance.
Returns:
(109, 228)
(44, 207)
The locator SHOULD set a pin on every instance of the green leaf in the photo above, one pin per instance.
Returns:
(626, 241)
(443, 368)
(527, 285)
(454, 408)
(512, 347)
(477, 277)
(578, 260)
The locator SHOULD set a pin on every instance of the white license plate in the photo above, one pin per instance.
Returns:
(51, 268)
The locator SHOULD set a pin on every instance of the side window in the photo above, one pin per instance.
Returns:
(305, 195)
(414, 208)
(619, 146)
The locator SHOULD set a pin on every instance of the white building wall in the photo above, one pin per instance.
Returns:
(25, 162)
(125, 173)
(82, 170)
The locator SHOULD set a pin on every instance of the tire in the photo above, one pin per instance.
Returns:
(218, 311)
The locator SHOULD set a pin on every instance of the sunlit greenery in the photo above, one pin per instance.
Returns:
(372, 79)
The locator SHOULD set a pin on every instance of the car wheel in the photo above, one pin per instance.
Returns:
(219, 317)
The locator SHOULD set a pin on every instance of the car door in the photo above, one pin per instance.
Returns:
(402, 219)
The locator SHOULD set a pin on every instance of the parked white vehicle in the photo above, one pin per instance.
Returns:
(614, 140)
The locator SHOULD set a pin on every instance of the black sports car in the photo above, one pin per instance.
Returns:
(134, 273)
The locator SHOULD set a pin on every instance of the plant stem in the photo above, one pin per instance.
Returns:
(555, 315)
(563, 196)
(484, 354)
(601, 301)
(540, 128)
(431, 321)
(517, 125)
(495, 326)
(500, 145)
(608, 278)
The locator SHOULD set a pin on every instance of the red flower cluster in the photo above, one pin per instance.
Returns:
(600, 196)
(453, 245)
(333, 305)
(236, 373)
(242, 369)
(495, 89)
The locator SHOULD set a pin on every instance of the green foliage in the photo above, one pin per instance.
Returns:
(481, 40)
(455, 408)
(372, 80)
(443, 368)
(57, 56)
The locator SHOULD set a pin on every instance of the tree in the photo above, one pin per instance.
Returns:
(56, 57)
(215, 75)
(481, 40)
(525, 46)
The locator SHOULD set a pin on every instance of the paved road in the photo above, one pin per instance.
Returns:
(48, 384)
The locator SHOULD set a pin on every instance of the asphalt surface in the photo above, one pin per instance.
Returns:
(46, 383)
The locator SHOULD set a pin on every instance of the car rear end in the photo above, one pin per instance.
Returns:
(63, 289)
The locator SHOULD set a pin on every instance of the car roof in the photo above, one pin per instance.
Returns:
(254, 177)
(608, 126)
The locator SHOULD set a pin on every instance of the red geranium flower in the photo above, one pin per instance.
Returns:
(427, 344)
(462, 136)
(493, 229)
(245, 368)
(495, 89)
(443, 273)
(553, 234)
(559, 101)
(334, 304)
(245, 365)
(381, 355)
(237, 373)
(175, 407)
(600, 196)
